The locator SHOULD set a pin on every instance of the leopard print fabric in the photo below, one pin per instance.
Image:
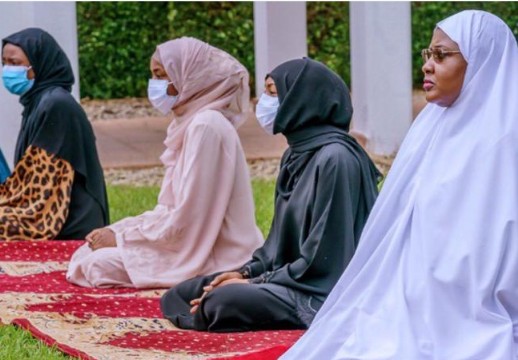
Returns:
(34, 200)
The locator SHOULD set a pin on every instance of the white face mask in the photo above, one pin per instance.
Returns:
(157, 95)
(266, 111)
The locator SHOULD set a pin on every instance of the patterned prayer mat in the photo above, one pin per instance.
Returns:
(108, 323)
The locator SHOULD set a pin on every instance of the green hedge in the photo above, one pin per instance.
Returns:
(328, 35)
(116, 39)
(426, 14)
(225, 25)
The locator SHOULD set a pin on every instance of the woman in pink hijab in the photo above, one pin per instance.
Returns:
(204, 221)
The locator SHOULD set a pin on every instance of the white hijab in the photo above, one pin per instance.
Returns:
(436, 272)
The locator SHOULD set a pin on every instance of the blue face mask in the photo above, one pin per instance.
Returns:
(15, 79)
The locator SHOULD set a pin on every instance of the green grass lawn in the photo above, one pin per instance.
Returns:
(16, 344)
(130, 201)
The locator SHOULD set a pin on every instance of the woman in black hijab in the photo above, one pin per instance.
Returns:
(324, 193)
(57, 189)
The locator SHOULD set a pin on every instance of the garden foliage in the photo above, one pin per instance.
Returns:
(116, 39)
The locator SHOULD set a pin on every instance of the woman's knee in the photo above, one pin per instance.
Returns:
(94, 272)
(219, 301)
(104, 267)
(169, 302)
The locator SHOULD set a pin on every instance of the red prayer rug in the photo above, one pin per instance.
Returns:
(108, 323)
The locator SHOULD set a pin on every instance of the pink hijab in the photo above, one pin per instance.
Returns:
(206, 78)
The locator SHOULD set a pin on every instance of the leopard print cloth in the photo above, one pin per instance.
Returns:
(34, 200)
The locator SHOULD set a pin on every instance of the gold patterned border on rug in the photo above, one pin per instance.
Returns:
(25, 268)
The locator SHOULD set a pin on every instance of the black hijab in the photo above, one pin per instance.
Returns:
(315, 110)
(53, 120)
(310, 95)
(48, 60)
(326, 185)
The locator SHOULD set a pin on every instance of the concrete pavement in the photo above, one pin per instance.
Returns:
(138, 143)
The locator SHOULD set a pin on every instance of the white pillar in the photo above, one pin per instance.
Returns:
(58, 19)
(381, 67)
(279, 35)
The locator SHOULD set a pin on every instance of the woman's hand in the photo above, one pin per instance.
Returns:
(226, 278)
(222, 278)
(101, 238)
(196, 303)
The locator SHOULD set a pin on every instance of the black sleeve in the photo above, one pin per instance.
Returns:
(331, 240)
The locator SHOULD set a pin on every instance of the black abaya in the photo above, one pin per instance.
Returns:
(324, 193)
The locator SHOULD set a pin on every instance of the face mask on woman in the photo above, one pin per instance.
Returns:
(157, 94)
(15, 79)
(266, 111)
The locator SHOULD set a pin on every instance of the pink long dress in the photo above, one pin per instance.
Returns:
(204, 221)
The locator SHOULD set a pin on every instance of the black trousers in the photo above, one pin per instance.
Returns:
(237, 307)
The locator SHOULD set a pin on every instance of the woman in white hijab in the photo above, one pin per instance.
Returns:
(204, 221)
(435, 275)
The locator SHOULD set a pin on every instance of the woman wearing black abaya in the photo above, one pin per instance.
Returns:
(324, 193)
(56, 190)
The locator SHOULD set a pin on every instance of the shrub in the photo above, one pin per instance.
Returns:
(225, 25)
(425, 15)
(328, 35)
(116, 39)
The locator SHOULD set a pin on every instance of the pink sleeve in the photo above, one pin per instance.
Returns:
(201, 189)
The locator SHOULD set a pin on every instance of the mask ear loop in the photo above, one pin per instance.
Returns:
(29, 68)
(171, 83)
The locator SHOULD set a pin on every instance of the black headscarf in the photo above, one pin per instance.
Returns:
(315, 110)
(48, 60)
(53, 120)
(326, 185)
(310, 94)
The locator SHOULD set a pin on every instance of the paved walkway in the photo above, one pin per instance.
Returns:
(134, 143)
(137, 143)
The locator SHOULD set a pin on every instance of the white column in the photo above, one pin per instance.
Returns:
(279, 35)
(58, 19)
(381, 67)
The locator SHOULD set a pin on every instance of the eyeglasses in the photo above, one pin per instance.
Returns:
(438, 54)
